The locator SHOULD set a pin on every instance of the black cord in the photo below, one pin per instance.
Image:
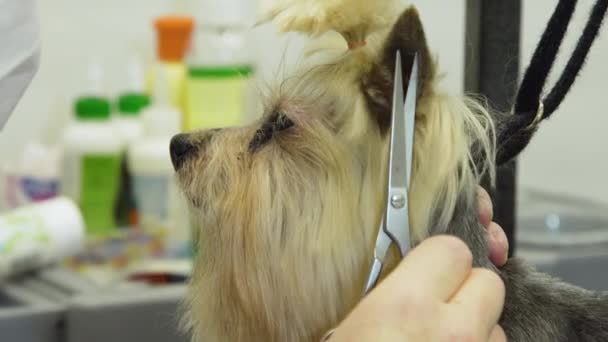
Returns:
(515, 132)
(577, 61)
(544, 57)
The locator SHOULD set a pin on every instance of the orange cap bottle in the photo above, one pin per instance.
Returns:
(174, 34)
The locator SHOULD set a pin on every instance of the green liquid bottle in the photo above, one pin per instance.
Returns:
(92, 152)
(91, 172)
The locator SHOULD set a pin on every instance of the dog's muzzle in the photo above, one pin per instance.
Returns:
(181, 149)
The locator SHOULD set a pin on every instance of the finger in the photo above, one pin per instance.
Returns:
(486, 208)
(498, 245)
(436, 267)
(481, 297)
(498, 335)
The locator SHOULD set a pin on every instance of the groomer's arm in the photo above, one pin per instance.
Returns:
(435, 294)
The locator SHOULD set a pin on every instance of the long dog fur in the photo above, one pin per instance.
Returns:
(289, 206)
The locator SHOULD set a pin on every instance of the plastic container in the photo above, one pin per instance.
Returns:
(151, 178)
(128, 125)
(91, 164)
(173, 42)
(35, 177)
(159, 204)
(35, 174)
(38, 235)
(131, 101)
(219, 83)
(127, 120)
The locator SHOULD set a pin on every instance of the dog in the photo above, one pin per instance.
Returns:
(288, 206)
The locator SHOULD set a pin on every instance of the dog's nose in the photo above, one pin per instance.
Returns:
(181, 149)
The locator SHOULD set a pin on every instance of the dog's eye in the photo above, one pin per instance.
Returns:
(282, 122)
(276, 122)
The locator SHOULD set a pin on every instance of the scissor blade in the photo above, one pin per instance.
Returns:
(397, 162)
(397, 217)
(395, 227)
(410, 119)
(383, 243)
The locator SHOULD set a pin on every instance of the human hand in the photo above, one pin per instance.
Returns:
(387, 327)
(433, 295)
(498, 243)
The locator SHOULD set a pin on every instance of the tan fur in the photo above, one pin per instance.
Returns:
(353, 19)
(287, 233)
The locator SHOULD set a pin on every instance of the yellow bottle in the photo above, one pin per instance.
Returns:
(173, 41)
(219, 80)
(216, 96)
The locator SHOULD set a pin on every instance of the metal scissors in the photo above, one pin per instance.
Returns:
(395, 224)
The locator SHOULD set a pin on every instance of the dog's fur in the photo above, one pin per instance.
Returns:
(289, 206)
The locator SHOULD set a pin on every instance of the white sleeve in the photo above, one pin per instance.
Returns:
(19, 52)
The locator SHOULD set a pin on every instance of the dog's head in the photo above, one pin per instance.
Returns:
(288, 207)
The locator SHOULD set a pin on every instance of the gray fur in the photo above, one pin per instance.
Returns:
(538, 307)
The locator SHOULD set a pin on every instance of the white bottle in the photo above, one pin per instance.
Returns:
(159, 204)
(38, 235)
(131, 101)
(91, 164)
(33, 178)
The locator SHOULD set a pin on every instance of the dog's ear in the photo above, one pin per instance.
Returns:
(408, 37)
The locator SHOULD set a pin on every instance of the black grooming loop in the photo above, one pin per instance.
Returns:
(530, 110)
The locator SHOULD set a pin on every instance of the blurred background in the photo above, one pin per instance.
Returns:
(120, 73)
(73, 31)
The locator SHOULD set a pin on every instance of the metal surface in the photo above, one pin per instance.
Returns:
(58, 306)
(394, 227)
(26, 316)
(401, 143)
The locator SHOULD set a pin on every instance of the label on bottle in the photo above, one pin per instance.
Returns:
(152, 198)
(39, 189)
(21, 190)
(162, 207)
(99, 183)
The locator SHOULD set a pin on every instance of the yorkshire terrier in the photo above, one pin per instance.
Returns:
(289, 206)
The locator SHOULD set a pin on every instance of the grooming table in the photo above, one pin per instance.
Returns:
(26, 316)
(59, 306)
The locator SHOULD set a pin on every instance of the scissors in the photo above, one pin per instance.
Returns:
(395, 224)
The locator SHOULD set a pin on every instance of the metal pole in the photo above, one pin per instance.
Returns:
(492, 70)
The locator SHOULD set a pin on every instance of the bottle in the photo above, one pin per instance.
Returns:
(131, 102)
(173, 41)
(160, 205)
(219, 68)
(33, 178)
(38, 235)
(35, 175)
(91, 163)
